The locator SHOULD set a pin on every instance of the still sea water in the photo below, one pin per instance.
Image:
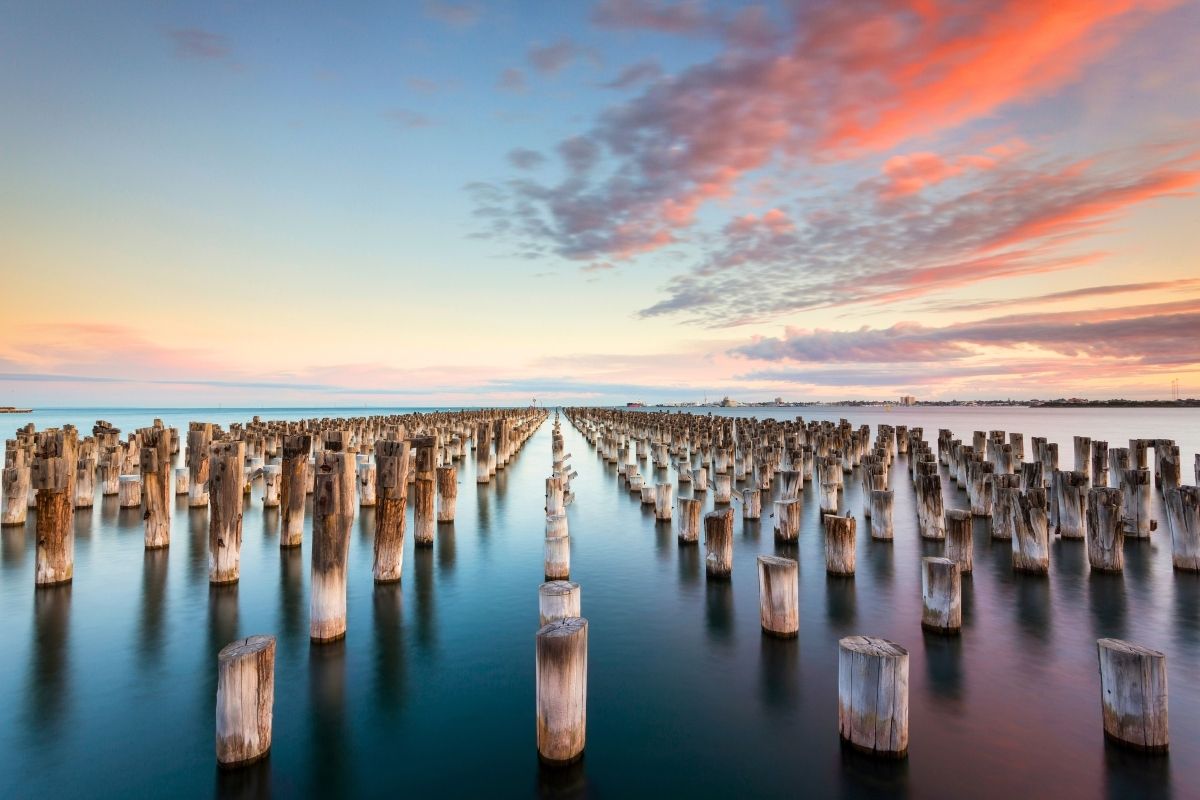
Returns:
(107, 685)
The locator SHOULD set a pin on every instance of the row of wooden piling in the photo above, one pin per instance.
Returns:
(1010, 492)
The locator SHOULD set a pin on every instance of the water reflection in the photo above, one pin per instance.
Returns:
(718, 609)
(1033, 605)
(222, 617)
(1129, 773)
(689, 563)
(779, 674)
(48, 694)
(12, 548)
(329, 734)
(1187, 607)
(388, 606)
(154, 590)
(865, 775)
(446, 549)
(880, 562)
(366, 524)
(270, 528)
(197, 537)
(293, 611)
(562, 782)
(840, 602)
(1106, 604)
(244, 783)
(423, 581)
(943, 662)
(664, 539)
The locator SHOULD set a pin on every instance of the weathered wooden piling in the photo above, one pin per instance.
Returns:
(333, 515)
(1030, 527)
(293, 488)
(130, 492)
(561, 695)
(558, 600)
(941, 595)
(155, 463)
(960, 547)
(272, 479)
(882, 503)
(1105, 536)
(85, 484)
(391, 499)
(1135, 503)
(1070, 504)
(17, 481)
(199, 440)
(839, 544)
(690, 512)
(447, 499)
(787, 520)
(1133, 695)
(55, 529)
(1083, 455)
(226, 465)
(751, 503)
(1183, 518)
(425, 489)
(663, 494)
(828, 497)
(930, 507)
(245, 700)
(873, 695)
(182, 480)
(557, 557)
(723, 487)
(779, 596)
(718, 543)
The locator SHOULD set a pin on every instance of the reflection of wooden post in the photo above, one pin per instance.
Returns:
(226, 477)
(245, 700)
(779, 596)
(1133, 694)
(391, 498)
(873, 695)
(55, 521)
(561, 679)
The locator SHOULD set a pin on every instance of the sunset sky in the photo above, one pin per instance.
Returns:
(467, 203)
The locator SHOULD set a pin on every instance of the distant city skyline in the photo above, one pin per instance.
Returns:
(470, 203)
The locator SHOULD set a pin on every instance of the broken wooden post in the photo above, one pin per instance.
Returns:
(1031, 540)
(391, 499)
(882, 502)
(272, 479)
(425, 469)
(199, 440)
(1133, 694)
(366, 474)
(55, 526)
(690, 512)
(718, 543)
(839, 544)
(1070, 498)
(447, 492)
(663, 501)
(779, 596)
(226, 466)
(1105, 537)
(1183, 518)
(930, 507)
(182, 480)
(17, 481)
(751, 503)
(293, 487)
(1135, 502)
(245, 700)
(130, 492)
(960, 547)
(873, 695)
(941, 595)
(557, 600)
(723, 487)
(787, 520)
(561, 697)
(155, 463)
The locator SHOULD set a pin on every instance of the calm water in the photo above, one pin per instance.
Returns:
(107, 686)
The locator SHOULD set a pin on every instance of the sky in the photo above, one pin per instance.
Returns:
(468, 203)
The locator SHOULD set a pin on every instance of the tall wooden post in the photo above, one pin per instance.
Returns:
(227, 464)
(155, 463)
(333, 515)
(391, 499)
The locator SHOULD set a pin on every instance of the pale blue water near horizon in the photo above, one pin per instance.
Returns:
(108, 684)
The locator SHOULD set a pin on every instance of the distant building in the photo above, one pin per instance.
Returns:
(778, 401)
(907, 400)
(726, 402)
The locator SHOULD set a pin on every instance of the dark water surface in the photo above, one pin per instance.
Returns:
(107, 685)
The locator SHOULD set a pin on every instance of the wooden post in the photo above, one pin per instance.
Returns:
(557, 600)
(1070, 498)
(333, 514)
(787, 520)
(1183, 518)
(447, 492)
(425, 468)
(930, 508)
(85, 483)
(663, 501)
(779, 596)
(182, 482)
(1083, 455)
(960, 547)
(226, 465)
(873, 695)
(561, 697)
(839, 545)
(16, 481)
(245, 700)
(1133, 694)
(55, 521)
(700, 479)
(1135, 503)
(391, 499)
(155, 463)
(366, 474)
(751, 503)
(272, 479)
(199, 440)
(293, 488)
(130, 494)
(1105, 537)
(718, 543)
(723, 486)
(882, 502)
(941, 595)
(690, 511)
(1004, 498)
(829, 497)
(1031, 541)
(557, 551)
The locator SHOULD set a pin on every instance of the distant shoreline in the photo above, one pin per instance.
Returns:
(15, 410)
